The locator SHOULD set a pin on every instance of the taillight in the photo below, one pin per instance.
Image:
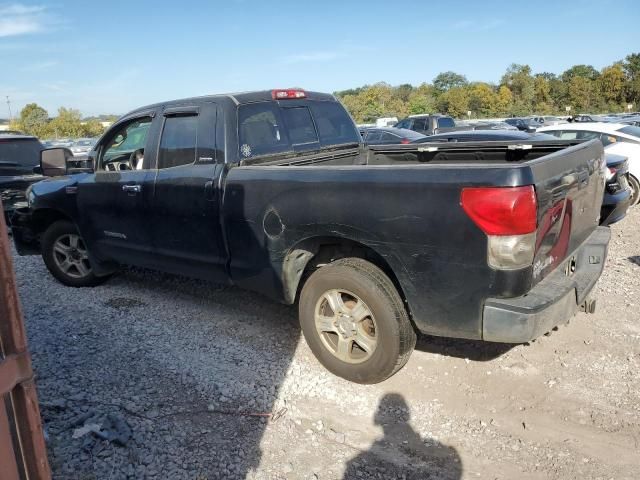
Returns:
(508, 215)
(404, 141)
(287, 93)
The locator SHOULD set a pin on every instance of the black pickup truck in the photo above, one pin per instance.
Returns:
(273, 191)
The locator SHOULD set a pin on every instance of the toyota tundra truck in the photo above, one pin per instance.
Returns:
(274, 192)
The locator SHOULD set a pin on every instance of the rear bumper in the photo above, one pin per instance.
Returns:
(551, 302)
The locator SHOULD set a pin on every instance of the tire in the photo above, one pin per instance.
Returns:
(58, 245)
(635, 189)
(370, 336)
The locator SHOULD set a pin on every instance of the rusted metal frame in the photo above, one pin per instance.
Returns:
(8, 465)
(17, 373)
(14, 369)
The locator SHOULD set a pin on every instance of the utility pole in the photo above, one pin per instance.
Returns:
(9, 105)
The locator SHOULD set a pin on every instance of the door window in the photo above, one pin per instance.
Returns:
(446, 122)
(178, 141)
(124, 149)
(260, 130)
(419, 124)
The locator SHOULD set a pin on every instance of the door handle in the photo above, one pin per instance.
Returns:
(132, 188)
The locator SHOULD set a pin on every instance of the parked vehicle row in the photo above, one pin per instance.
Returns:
(19, 167)
(221, 187)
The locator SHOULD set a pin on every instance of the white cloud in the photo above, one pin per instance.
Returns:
(18, 19)
(39, 66)
(311, 57)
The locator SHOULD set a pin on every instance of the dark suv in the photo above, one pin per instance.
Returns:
(19, 164)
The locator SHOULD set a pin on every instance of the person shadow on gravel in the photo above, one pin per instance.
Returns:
(401, 453)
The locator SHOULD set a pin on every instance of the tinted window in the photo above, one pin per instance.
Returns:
(555, 133)
(299, 125)
(25, 153)
(334, 123)
(419, 124)
(568, 135)
(631, 130)
(390, 138)
(587, 135)
(404, 124)
(446, 122)
(260, 130)
(373, 136)
(178, 142)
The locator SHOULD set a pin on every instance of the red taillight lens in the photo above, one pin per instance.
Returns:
(288, 93)
(501, 210)
(404, 141)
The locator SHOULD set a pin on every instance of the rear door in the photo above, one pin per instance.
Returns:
(185, 210)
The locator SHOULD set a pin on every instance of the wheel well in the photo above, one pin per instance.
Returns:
(44, 218)
(311, 254)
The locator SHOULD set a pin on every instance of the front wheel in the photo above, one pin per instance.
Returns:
(65, 255)
(635, 189)
(355, 322)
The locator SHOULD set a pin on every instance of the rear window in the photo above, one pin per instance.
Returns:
(25, 153)
(631, 130)
(265, 128)
(334, 124)
(299, 125)
(446, 122)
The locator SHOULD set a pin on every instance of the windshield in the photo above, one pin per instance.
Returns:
(631, 130)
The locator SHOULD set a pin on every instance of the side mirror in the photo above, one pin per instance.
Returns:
(37, 170)
(53, 161)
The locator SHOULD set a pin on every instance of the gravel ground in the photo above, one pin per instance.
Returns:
(177, 378)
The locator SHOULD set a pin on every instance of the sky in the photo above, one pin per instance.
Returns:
(112, 57)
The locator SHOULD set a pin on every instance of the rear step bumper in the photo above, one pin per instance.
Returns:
(551, 302)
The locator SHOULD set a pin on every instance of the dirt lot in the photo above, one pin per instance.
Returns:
(180, 370)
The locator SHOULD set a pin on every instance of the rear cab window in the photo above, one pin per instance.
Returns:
(270, 128)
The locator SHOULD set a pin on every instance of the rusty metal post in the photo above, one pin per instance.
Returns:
(16, 380)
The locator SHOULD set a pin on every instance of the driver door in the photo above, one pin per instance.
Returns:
(114, 202)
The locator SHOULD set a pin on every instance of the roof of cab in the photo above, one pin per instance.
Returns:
(238, 98)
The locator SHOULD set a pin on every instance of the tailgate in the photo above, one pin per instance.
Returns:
(569, 187)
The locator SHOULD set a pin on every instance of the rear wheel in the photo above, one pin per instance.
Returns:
(65, 255)
(635, 189)
(355, 322)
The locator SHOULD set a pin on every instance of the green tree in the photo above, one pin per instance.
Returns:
(68, 123)
(504, 101)
(580, 93)
(447, 80)
(92, 128)
(33, 120)
(483, 100)
(519, 80)
(611, 84)
(584, 71)
(455, 102)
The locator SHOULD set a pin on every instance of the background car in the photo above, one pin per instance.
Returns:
(617, 194)
(485, 136)
(617, 138)
(82, 146)
(523, 124)
(547, 120)
(389, 135)
(19, 162)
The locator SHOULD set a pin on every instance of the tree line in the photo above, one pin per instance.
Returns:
(520, 92)
(34, 120)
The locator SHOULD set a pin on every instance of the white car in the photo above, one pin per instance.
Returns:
(617, 138)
